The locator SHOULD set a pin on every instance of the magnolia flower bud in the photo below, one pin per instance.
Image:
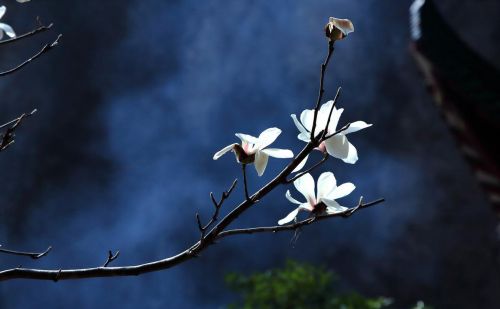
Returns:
(337, 29)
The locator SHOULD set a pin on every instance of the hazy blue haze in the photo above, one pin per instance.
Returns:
(139, 96)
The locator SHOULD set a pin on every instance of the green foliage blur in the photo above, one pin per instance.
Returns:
(299, 285)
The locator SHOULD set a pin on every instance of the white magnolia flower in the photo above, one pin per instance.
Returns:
(4, 27)
(321, 202)
(337, 29)
(337, 146)
(253, 149)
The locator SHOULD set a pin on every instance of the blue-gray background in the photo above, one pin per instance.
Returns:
(141, 93)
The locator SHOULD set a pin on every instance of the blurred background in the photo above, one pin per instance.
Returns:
(140, 94)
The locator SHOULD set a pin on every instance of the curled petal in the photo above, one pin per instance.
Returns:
(305, 185)
(307, 118)
(260, 162)
(305, 137)
(245, 138)
(356, 126)
(326, 184)
(352, 154)
(301, 165)
(3, 9)
(337, 146)
(289, 197)
(7, 29)
(338, 29)
(267, 137)
(334, 121)
(298, 124)
(221, 152)
(278, 153)
(293, 214)
(289, 217)
(333, 207)
(341, 191)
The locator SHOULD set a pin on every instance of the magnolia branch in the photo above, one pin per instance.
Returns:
(46, 48)
(218, 230)
(321, 85)
(291, 227)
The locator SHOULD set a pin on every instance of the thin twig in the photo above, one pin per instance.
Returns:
(217, 207)
(323, 160)
(44, 49)
(244, 170)
(338, 131)
(325, 131)
(321, 87)
(33, 32)
(7, 138)
(290, 227)
(111, 257)
(33, 255)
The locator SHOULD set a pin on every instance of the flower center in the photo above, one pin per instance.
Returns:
(322, 147)
(319, 208)
(242, 156)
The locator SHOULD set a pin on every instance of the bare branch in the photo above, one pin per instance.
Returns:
(321, 86)
(33, 255)
(111, 257)
(291, 227)
(7, 138)
(217, 207)
(323, 160)
(325, 131)
(41, 28)
(338, 131)
(45, 48)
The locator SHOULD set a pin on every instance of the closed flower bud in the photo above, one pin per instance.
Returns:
(337, 29)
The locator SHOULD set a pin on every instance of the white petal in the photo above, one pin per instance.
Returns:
(352, 154)
(247, 138)
(322, 119)
(260, 162)
(333, 206)
(305, 185)
(334, 121)
(8, 30)
(267, 137)
(326, 184)
(305, 137)
(3, 9)
(344, 25)
(22, 1)
(221, 152)
(307, 118)
(289, 217)
(301, 165)
(289, 197)
(278, 153)
(356, 126)
(337, 146)
(298, 124)
(341, 191)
